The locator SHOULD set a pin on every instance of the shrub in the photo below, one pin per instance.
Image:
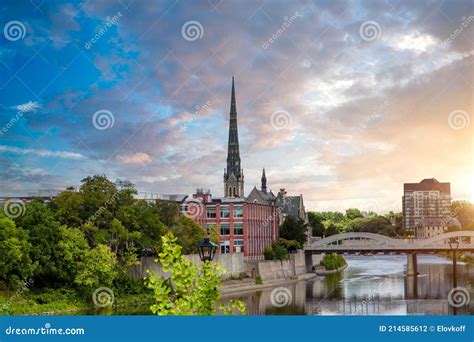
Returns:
(269, 253)
(258, 280)
(333, 261)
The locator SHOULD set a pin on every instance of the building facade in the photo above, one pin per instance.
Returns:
(242, 224)
(425, 201)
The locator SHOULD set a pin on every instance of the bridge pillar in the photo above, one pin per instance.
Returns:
(411, 280)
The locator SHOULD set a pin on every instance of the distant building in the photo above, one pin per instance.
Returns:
(424, 201)
(431, 227)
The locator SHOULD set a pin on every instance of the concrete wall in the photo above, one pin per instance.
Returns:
(233, 263)
(273, 270)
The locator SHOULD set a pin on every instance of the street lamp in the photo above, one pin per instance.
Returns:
(206, 249)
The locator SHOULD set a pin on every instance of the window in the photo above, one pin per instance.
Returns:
(225, 213)
(238, 228)
(225, 228)
(238, 212)
(184, 208)
(239, 246)
(225, 247)
(211, 212)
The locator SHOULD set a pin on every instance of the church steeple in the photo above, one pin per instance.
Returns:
(233, 175)
(264, 181)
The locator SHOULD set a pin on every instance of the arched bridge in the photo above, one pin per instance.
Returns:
(376, 243)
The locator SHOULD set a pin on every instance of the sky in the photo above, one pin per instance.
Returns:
(341, 101)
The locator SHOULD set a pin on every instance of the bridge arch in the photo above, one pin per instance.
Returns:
(380, 239)
(441, 237)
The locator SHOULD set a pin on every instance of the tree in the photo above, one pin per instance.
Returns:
(15, 262)
(71, 251)
(294, 229)
(353, 213)
(98, 269)
(332, 229)
(188, 234)
(43, 235)
(168, 212)
(316, 223)
(187, 289)
(464, 212)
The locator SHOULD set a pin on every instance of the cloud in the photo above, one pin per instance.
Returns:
(30, 106)
(40, 153)
(136, 158)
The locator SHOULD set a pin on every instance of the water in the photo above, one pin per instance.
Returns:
(370, 285)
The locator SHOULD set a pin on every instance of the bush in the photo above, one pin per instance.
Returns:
(269, 253)
(258, 280)
(333, 261)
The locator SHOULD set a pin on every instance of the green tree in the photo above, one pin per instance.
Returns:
(294, 229)
(168, 212)
(187, 289)
(15, 262)
(188, 233)
(316, 223)
(99, 269)
(353, 213)
(43, 235)
(332, 229)
(71, 251)
(464, 212)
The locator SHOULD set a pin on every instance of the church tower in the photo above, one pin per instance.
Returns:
(233, 174)
(264, 181)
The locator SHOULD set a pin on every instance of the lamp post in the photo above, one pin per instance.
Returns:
(454, 246)
(206, 248)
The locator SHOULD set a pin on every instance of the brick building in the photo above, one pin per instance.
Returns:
(243, 224)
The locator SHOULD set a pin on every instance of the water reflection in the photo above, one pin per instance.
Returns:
(373, 285)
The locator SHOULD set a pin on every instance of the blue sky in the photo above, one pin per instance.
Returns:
(341, 101)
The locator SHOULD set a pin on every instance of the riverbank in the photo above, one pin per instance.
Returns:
(234, 287)
(323, 271)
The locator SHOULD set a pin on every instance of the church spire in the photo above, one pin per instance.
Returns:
(233, 171)
(264, 181)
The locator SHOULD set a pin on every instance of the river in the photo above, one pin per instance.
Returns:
(370, 285)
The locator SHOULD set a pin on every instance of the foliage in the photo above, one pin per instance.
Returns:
(279, 249)
(294, 229)
(188, 289)
(332, 229)
(188, 233)
(99, 269)
(316, 223)
(333, 261)
(258, 280)
(71, 251)
(464, 212)
(15, 262)
(353, 213)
